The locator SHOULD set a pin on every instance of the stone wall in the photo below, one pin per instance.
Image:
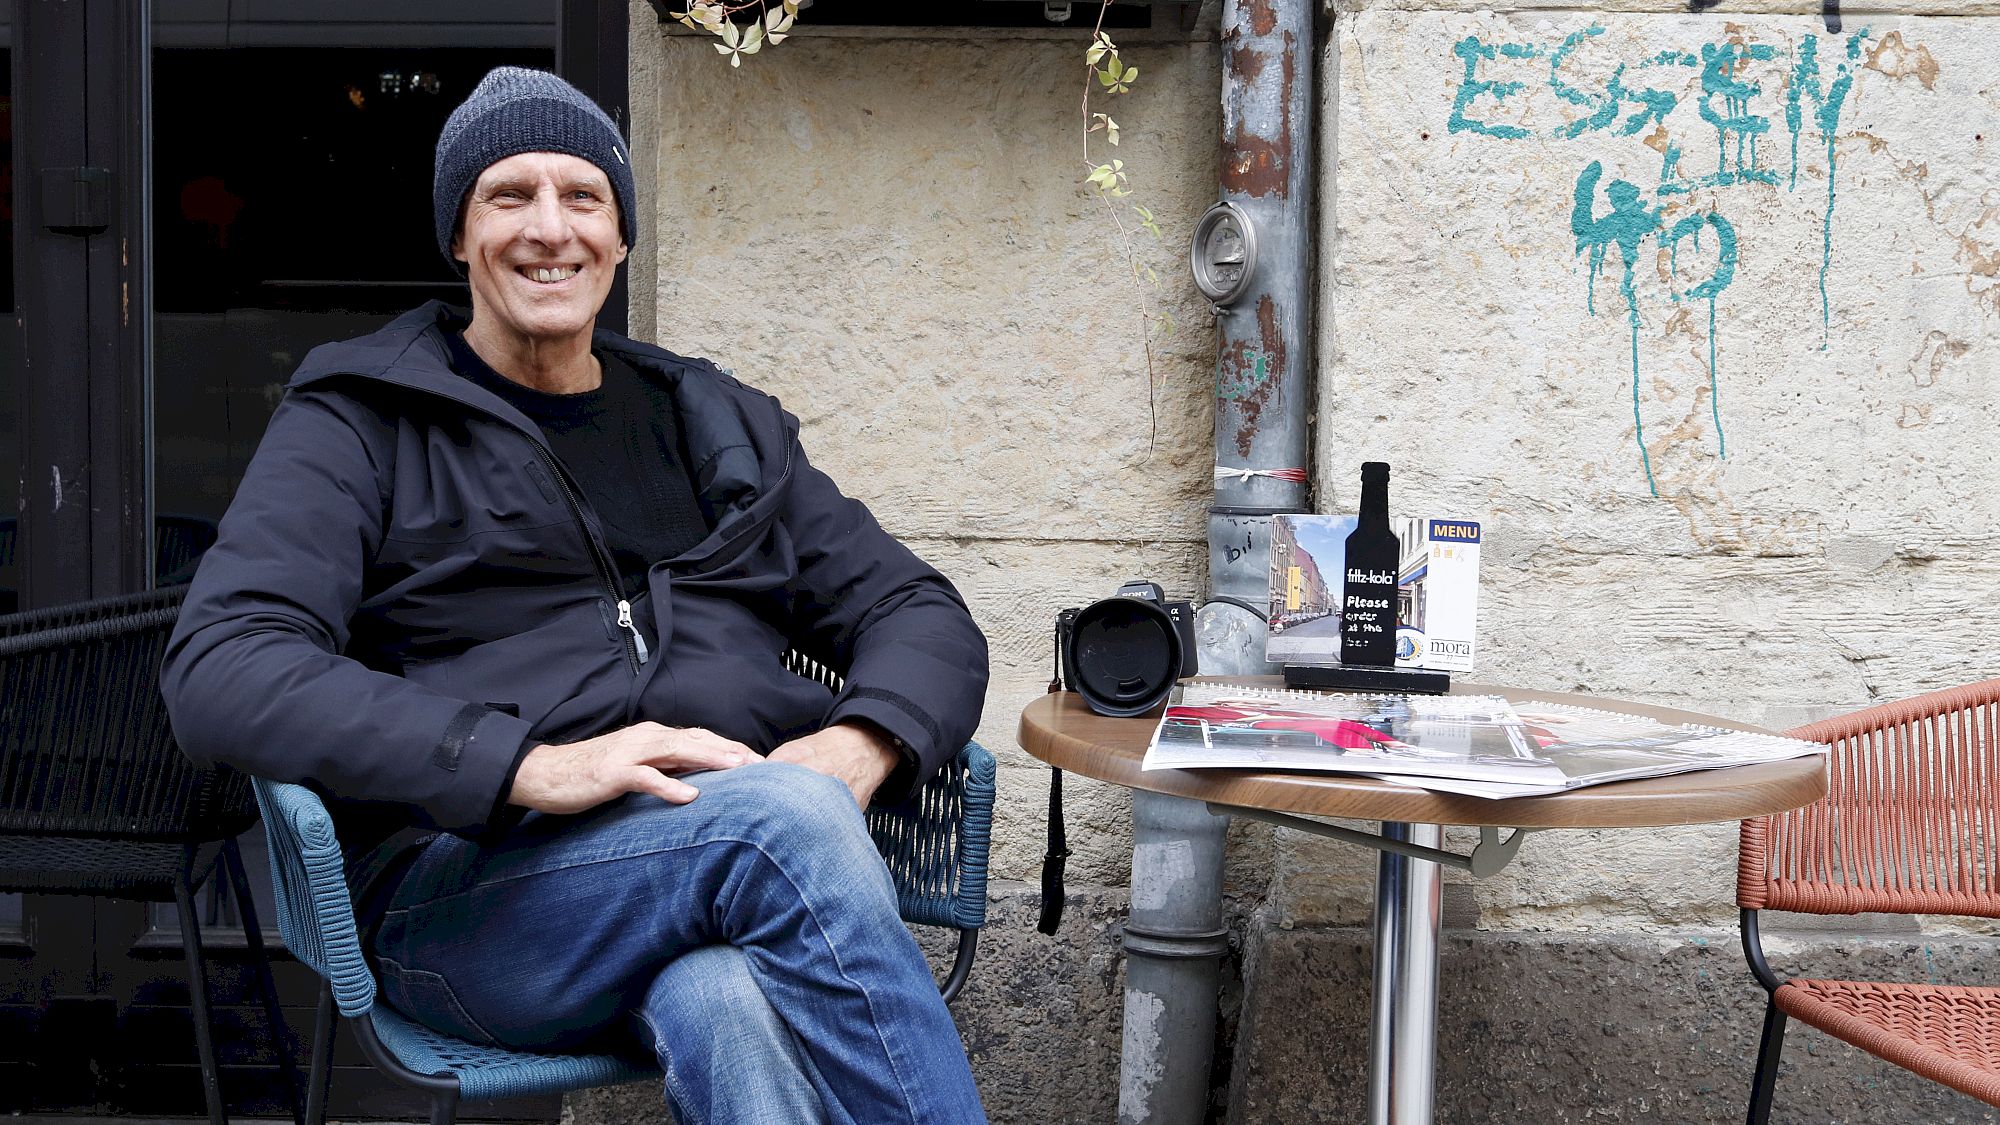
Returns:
(1695, 310)
(1699, 312)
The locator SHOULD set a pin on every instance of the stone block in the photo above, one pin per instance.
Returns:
(1585, 1027)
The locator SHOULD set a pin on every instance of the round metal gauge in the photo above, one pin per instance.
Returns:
(1223, 253)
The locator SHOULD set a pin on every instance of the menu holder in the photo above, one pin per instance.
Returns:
(1367, 603)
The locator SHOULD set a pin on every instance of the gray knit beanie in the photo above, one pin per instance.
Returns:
(515, 110)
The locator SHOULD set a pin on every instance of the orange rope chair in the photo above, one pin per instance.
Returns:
(1910, 825)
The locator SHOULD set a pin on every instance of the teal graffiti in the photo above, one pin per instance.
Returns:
(1731, 80)
(1473, 51)
(1721, 63)
(1628, 224)
(1826, 117)
(1653, 105)
(1725, 272)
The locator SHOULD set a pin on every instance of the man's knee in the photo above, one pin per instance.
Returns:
(803, 823)
(701, 983)
(790, 799)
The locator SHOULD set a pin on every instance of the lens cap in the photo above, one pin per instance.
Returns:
(1124, 656)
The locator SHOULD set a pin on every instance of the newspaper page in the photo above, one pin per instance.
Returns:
(1593, 747)
(1474, 745)
(1219, 726)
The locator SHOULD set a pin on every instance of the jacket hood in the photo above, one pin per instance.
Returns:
(740, 441)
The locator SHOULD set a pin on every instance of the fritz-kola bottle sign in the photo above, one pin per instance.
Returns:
(1368, 594)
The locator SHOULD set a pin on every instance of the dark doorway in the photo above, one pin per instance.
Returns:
(267, 190)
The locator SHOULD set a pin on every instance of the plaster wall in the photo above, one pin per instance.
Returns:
(1699, 312)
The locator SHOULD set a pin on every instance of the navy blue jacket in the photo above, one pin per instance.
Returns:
(407, 586)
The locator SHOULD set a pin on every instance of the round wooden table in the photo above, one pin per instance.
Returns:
(1174, 934)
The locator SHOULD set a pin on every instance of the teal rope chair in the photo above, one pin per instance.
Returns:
(935, 845)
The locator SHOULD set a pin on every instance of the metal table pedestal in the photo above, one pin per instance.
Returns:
(1403, 1047)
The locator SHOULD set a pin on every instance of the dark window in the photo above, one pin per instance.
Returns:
(300, 178)
(292, 206)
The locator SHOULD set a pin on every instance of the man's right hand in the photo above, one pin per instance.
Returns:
(636, 759)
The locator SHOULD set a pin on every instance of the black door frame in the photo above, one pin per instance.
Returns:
(82, 278)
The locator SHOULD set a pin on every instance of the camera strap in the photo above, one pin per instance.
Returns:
(1053, 893)
(1057, 857)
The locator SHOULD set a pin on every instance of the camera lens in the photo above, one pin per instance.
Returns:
(1124, 656)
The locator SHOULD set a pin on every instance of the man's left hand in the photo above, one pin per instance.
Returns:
(859, 756)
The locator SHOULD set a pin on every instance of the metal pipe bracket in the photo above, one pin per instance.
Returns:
(1490, 855)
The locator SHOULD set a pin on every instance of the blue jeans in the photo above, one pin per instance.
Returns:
(749, 938)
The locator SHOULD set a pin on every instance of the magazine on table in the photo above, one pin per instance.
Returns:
(1592, 747)
(1470, 737)
(1478, 746)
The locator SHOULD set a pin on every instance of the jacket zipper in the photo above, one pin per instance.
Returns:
(635, 644)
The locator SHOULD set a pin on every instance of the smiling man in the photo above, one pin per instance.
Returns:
(514, 596)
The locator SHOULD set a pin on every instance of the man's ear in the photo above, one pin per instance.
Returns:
(623, 250)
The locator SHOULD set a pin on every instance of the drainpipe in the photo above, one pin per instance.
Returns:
(1175, 936)
(1264, 356)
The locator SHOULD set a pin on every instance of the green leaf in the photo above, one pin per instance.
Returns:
(730, 34)
(753, 39)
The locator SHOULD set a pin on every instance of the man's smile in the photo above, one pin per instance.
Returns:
(548, 275)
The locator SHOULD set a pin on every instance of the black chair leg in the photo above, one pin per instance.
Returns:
(444, 1108)
(1768, 1050)
(281, 1033)
(321, 1072)
(204, 1030)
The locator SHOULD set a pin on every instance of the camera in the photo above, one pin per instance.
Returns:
(1123, 654)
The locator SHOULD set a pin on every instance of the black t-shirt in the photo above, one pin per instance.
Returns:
(622, 447)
